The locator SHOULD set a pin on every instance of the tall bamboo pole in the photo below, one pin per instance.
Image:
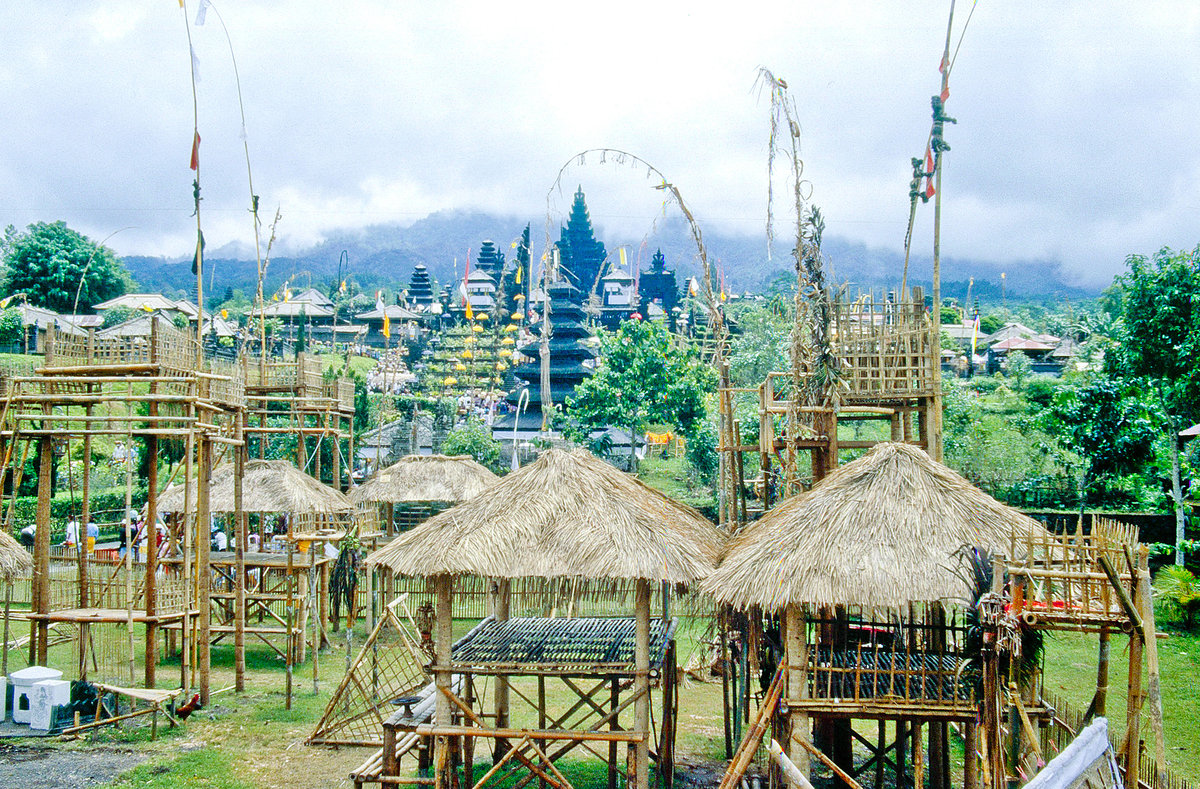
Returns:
(640, 776)
(203, 526)
(239, 517)
(442, 677)
(39, 644)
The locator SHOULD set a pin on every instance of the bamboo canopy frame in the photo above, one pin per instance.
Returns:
(274, 486)
(426, 478)
(879, 532)
(568, 515)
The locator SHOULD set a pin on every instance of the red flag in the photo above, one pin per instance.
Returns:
(942, 65)
(928, 161)
(929, 190)
(945, 94)
(196, 152)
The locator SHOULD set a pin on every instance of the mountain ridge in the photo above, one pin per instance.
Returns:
(382, 257)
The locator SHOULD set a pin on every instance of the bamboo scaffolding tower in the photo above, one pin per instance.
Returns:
(147, 387)
(292, 398)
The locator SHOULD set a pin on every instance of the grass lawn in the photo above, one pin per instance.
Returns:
(253, 740)
(1071, 675)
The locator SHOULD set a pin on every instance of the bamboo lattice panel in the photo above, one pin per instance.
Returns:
(388, 666)
(1067, 586)
(885, 349)
(535, 642)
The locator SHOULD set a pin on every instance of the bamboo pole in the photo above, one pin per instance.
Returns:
(239, 518)
(640, 775)
(131, 540)
(204, 519)
(1153, 679)
(40, 635)
(443, 678)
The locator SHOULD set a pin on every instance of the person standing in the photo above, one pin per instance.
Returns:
(93, 534)
(72, 537)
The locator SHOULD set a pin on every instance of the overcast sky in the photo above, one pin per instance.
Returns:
(1076, 138)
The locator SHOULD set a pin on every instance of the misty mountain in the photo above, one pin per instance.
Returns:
(382, 257)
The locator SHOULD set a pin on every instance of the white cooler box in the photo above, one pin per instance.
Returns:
(23, 682)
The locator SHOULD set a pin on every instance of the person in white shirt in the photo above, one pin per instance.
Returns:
(72, 538)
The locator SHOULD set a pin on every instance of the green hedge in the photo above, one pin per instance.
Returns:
(64, 506)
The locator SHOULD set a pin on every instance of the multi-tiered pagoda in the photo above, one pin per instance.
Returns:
(581, 256)
(490, 260)
(420, 289)
(569, 351)
(658, 287)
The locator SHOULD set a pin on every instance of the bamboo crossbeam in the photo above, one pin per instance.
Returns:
(845, 776)
(112, 418)
(99, 398)
(429, 729)
(84, 369)
(160, 432)
(1123, 596)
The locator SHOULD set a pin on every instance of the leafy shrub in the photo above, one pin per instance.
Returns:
(1178, 592)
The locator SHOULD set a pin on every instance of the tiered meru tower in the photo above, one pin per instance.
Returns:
(420, 289)
(581, 255)
(569, 350)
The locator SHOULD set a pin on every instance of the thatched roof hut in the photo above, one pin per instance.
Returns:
(879, 532)
(13, 558)
(567, 515)
(267, 486)
(426, 478)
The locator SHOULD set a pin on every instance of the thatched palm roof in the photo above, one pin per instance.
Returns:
(13, 558)
(567, 515)
(426, 478)
(881, 532)
(267, 486)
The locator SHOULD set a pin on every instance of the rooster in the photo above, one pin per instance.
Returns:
(184, 710)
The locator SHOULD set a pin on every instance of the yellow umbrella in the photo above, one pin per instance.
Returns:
(460, 367)
(450, 381)
(476, 328)
(516, 316)
(505, 352)
(508, 341)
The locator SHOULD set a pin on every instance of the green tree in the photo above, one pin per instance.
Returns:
(12, 325)
(116, 315)
(1109, 426)
(1157, 344)
(473, 438)
(760, 346)
(50, 263)
(643, 378)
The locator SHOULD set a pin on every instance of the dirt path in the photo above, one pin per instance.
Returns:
(42, 767)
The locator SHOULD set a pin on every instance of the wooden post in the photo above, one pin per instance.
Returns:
(151, 593)
(239, 539)
(1133, 718)
(84, 516)
(443, 633)
(204, 519)
(501, 607)
(1100, 700)
(796, 659)
(971, 756)
(614, 696)
(1153, 680)
(289, 583)
(639, 775)
(189, 568)
(39, 645)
